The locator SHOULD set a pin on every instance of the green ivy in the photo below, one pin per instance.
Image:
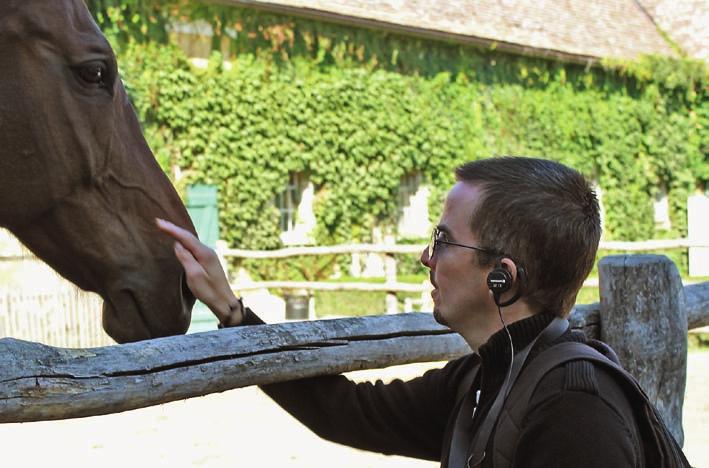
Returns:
(358, 109)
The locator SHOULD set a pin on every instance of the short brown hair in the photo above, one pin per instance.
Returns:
(544, 216)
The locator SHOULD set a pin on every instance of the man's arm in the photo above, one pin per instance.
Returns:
(402, 418)
(398, 418)
(406, 418)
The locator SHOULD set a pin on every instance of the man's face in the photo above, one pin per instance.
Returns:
(460, 296)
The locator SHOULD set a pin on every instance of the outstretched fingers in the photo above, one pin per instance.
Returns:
(204, 273)
(188, 241)
(192, 267)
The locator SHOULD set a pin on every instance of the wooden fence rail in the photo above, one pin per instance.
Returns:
(643, 314)
(697, 305)
(392, 286)
(67, 317)
(634, 246)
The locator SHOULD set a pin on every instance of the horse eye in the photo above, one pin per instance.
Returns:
(95, 73)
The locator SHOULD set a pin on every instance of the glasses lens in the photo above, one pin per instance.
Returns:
(432, 243)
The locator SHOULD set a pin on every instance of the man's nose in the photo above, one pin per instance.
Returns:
(425, 259)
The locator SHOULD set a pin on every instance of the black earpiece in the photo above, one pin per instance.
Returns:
(499, 281)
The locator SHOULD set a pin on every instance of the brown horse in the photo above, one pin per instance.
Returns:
(79, 185)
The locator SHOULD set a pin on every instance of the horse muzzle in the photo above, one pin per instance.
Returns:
(131, 316)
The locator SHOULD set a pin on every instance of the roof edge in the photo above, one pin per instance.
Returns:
(423, 33)
(671, 43)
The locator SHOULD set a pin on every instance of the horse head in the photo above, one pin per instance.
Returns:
(79, 185)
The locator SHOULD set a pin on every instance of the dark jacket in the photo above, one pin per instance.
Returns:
(578, 416)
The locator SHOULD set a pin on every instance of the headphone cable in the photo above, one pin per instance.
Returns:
(512, 347)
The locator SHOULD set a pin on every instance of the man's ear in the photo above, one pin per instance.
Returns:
(509, 265)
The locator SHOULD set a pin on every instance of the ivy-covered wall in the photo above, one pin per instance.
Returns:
(358, 109)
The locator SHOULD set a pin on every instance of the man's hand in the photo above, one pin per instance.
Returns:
(205, 276)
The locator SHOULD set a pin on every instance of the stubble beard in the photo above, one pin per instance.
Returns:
(438, 317)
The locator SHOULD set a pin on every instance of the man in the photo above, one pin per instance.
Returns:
(515, 242)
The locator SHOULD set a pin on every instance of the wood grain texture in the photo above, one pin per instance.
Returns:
(697, 305)
(644, 319)
(39, 382)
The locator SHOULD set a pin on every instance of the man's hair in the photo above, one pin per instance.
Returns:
(544, 216)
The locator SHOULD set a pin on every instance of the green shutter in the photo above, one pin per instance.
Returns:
(202, 207)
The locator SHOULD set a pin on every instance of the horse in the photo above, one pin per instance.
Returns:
(80, 186)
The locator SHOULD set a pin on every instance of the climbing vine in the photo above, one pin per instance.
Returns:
(358, 109)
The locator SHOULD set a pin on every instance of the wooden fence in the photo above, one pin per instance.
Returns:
(644, 314)
(71, 317)
(67, 317)
(391, 285)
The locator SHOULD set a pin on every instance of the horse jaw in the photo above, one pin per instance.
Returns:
(124, 319)
(110, 250)
(80, 187)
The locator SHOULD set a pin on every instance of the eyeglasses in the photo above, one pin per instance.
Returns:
(436, 240)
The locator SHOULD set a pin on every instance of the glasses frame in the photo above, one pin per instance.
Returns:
(433, 243)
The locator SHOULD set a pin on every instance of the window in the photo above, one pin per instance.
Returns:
(410, 184)
(287, 201)
(661, 205)
(197, 41)
(412, 204)
(295, 206)
(194, 38)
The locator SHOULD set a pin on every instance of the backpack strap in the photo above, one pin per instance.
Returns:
(461, 430)
(551, 333)
(511, 419)
(467, 382)
(467, 449)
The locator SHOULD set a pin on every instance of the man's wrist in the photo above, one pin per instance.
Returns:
(235, 314)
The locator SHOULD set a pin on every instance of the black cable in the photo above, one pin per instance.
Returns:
(512, 347)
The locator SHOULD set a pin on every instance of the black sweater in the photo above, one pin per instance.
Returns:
(578, 416)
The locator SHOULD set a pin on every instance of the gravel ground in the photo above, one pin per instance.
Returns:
(695, 417)
(243, 428)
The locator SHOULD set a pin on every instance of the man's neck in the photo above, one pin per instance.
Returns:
(476, 336)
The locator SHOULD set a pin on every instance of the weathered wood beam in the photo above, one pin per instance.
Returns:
(39, 382)
(697, 305)
(587, 318)
(643, 305)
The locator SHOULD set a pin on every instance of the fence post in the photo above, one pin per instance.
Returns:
(643, 317)
(392, 302)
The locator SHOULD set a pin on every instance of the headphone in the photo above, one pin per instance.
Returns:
(471, 454)
(499, 281)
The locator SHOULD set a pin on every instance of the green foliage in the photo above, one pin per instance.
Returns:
(698, 342)
(358, 109)
(359, 303)
(126, 20)
(349, 303)
(587, 295)
(305, 268)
